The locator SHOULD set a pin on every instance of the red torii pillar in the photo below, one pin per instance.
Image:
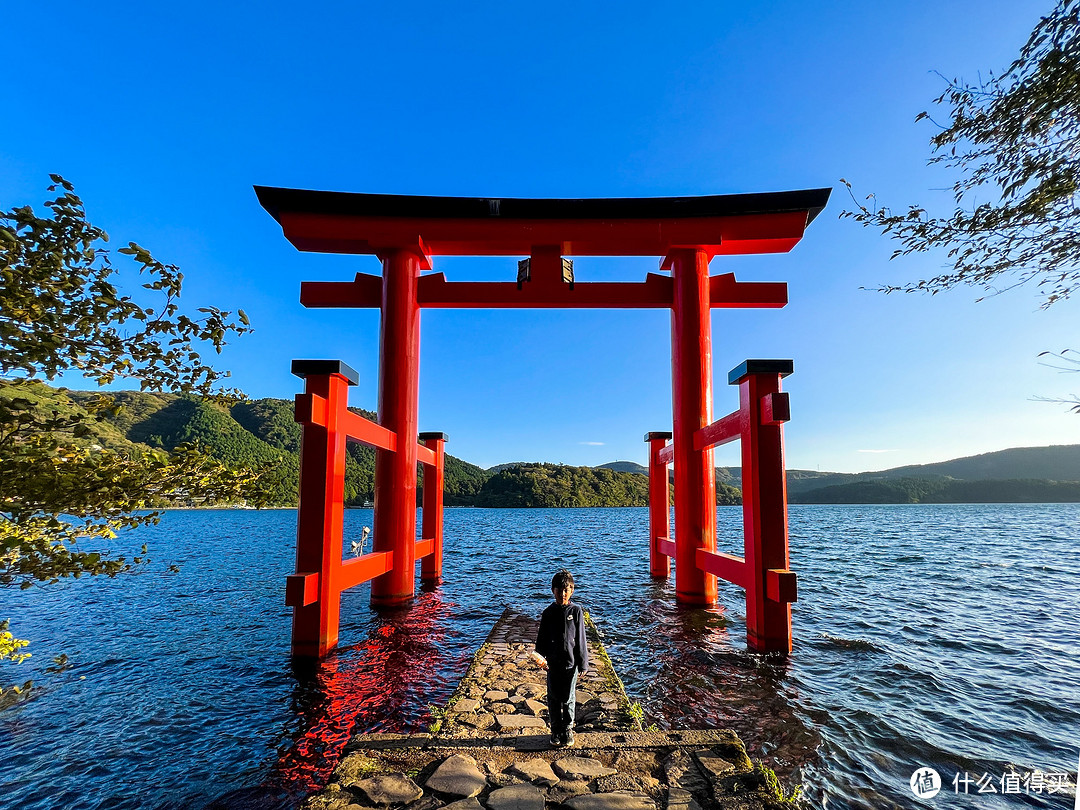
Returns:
(661, 549)
(399, 387)
(770, 586)
(316, 594)
(691, 379)
(431, 529)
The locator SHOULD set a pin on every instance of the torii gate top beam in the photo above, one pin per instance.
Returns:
(544, 229)
(338, 222)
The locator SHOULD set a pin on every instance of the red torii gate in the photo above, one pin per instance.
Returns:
(405, 232)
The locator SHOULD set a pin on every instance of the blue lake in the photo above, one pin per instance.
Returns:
(943, 636)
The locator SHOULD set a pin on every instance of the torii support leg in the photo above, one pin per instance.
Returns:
(770, 588)
(691, 375)
(399, 385)
(432, 527)
(659, 506)
(319, 523)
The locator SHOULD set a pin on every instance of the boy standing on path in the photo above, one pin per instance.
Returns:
(561, 642)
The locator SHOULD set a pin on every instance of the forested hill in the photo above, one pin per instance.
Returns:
(541, 485)
(263, 433)
(1018, 475)
(945, 490)
(545, 485)
(254, 433)
(1059, 462)
(1054, 463)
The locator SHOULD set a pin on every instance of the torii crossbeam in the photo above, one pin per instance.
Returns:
(684, 232)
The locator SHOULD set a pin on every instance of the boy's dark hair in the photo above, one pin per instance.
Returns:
(561, 580)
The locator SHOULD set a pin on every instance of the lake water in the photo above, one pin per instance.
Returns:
(943, 636)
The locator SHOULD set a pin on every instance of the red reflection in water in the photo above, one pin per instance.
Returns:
(706, 679)
(381, 684)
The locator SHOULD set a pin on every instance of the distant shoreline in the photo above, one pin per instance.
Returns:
(513, 508)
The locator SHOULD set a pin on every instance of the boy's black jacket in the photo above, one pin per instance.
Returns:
(561, 637)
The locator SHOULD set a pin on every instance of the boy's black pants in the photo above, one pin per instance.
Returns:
(561, 699)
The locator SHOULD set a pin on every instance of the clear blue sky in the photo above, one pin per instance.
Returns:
(165, 115)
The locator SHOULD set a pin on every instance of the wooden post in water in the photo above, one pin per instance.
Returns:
(691, 377)
(314, 590)
(770, 585)
(660, 546)
(431, 528)
(399, 387)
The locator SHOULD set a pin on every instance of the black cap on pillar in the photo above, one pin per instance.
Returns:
(748, 367)
(313, 368)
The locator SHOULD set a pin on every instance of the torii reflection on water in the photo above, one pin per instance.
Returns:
(384, 683)
(703, 678)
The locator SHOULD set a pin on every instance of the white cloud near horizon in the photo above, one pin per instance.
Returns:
(593, 444)
(878, 451)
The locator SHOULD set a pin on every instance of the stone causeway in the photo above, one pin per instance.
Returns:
(488, 749)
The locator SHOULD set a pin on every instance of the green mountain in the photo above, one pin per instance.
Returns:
(1059, 462)
(254, 433)
(552, 485)
(945, 490)
(1018, 475)
(625, 466)
(1054, 463)
(263, 433)
(587, 476)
